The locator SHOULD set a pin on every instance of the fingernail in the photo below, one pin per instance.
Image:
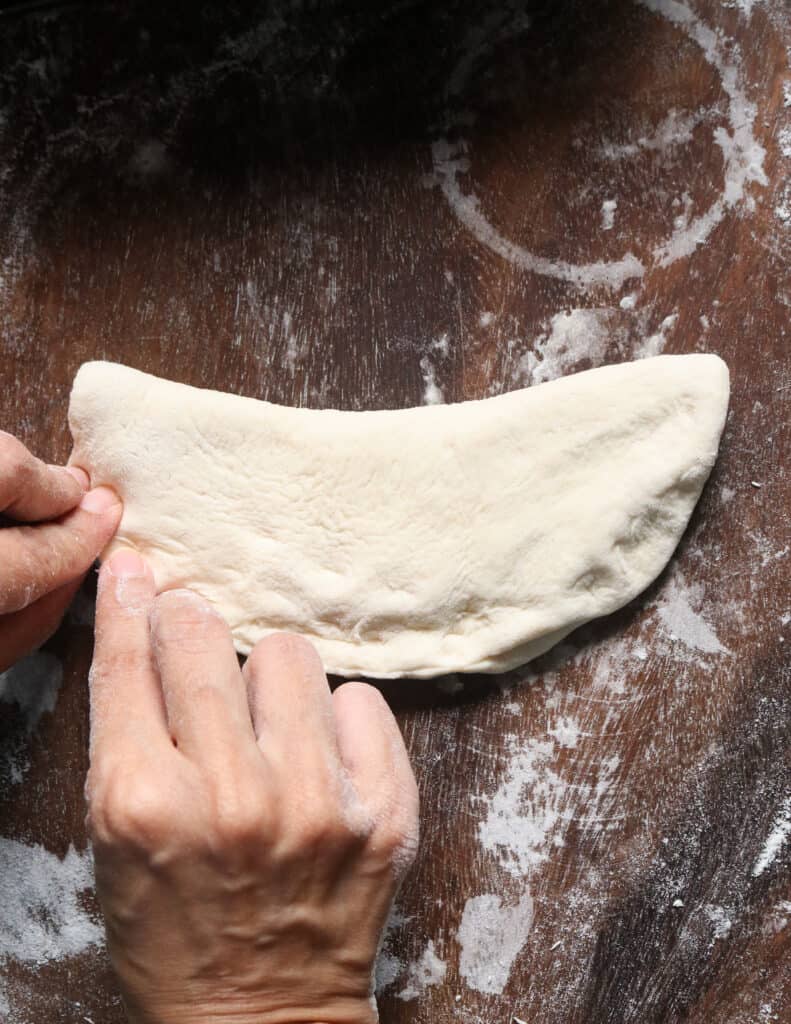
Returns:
(99, 500)
(79, 475)
(126, 562)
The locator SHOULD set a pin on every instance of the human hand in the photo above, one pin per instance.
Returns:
(41, 565)
(250, 829)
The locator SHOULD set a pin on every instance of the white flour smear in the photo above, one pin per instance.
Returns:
(742, 155)
(428, 970)
(745, 6)
(778, 919)
(528, 815)
(776, 840)
(674, 130)
(432, 394)
(655, 344)
(608, 209)
(581, 338)
(41, 915)
(388, 968)
(450, 161)
(573, 336)
(720, 921)
(681, 622)
(491, 936)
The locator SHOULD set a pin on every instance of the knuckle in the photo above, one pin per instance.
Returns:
(397, 829)
(241, 821)
(127, 812)
(15, 460)
(184, 618)
(317, 828)
(283, 647)
(61, 553)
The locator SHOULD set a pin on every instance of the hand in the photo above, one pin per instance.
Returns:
(249, 828)
(41, 566)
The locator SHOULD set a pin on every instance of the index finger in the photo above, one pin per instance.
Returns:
(30, 490)
(127, 708)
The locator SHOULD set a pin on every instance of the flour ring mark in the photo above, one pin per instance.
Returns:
(742, 155)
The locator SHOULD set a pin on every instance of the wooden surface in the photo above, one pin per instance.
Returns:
(367, 206)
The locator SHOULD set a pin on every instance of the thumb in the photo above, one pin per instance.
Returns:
(35, 560)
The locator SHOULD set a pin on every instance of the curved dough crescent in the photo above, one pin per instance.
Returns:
(467, 537)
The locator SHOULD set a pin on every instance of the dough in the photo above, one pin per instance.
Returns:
(454, 538)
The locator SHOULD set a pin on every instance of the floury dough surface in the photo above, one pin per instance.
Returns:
(467, 537)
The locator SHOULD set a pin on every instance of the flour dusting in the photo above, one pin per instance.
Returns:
(491, 936)
(529, 813)
(388, 968)
(42, 916)
(573, 336)
(432, 394)
(781, 830)
(675, 129)
(682, 622)
(720, 921)
(654, 345)
(429, 969)
(608, 208)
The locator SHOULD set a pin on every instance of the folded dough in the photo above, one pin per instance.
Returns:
(467, 537)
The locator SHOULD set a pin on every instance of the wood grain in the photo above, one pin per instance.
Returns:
(245, 197)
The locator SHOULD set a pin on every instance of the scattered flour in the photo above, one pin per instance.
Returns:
(573, 336)
(388, 968)
(674, 130)
(608, 208)
(680, 620)
(781, 830)
(491, 936)
(426, 971)
(530, 811)
(612, 660)
(655, 344)
(33, 684)
(720, 920)
(566, 732)
(778, 918)
(432, 394)
(42, 917)
(745, 6)
(442, 343)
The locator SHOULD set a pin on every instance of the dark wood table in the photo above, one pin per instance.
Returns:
(371, 205)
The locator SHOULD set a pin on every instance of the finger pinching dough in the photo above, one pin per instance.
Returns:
(454, 538)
